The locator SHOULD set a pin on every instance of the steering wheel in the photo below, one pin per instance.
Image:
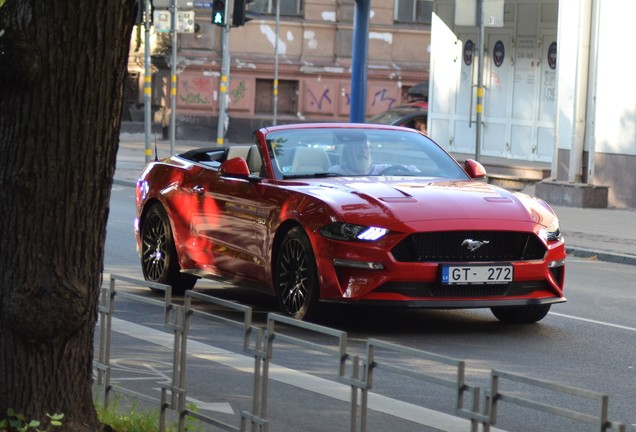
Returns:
(394, 169)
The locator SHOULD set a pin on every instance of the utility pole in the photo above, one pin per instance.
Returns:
(147, 84)
(480, 78)
(173, 78)
(275, 119)
(224, 83)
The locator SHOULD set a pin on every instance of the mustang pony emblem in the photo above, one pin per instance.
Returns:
(473, 245)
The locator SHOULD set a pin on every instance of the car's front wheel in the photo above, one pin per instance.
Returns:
(521, 314)
(296, 276)
(159, 261)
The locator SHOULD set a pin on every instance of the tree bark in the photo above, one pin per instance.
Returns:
(62, 74)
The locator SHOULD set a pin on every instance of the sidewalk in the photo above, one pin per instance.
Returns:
(604, 234)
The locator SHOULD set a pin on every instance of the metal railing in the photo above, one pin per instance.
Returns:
(354, 371)
(495, 396)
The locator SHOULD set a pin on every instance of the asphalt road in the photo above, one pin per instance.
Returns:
(587, 342)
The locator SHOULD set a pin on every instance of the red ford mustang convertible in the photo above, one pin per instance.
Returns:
(349, 213)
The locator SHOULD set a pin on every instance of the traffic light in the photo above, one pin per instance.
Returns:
(218, 12)
(241, 15)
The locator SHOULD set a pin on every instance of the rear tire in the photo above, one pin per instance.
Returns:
(520, 314)
(296, 276)
(159, 261)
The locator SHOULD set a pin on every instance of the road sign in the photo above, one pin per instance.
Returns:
(161, 19)
(185, 21)
(166, 4)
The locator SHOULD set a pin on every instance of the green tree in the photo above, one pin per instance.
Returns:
(62, 73)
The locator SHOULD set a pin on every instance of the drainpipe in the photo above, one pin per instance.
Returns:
(580, 92)
(358, 104)
(591, 90)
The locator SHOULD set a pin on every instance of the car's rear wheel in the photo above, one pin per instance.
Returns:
(296, 276)
(159, 261)
(521, 314)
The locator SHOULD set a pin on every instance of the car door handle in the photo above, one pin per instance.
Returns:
(199, 190)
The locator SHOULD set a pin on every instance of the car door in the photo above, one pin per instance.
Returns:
(223, 224)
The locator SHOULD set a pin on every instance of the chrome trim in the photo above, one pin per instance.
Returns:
(358, 264)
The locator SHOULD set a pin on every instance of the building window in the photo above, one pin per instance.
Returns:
(287, 7)
(287, 97)
(413, 11)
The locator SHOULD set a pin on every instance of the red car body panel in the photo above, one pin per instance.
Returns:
(229, 225)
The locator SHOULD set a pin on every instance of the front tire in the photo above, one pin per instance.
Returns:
(296, 276)
(159, 261)
(521, 314)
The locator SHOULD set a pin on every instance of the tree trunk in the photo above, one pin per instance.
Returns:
(62, 74)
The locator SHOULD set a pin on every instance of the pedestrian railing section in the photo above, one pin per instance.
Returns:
(354, 371)
(496, 396)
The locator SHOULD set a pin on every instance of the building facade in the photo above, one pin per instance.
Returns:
(314, 65)
(558, 86)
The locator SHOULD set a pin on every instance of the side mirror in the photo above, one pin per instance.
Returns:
(474, 169)
(235, 167)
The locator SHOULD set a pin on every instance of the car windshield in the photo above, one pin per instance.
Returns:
(337, 151)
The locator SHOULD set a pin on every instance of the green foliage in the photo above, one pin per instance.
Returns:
(18, 422)
(135, 420)
(132, 421)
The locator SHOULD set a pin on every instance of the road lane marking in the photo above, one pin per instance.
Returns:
(407, 411)
(603, 323)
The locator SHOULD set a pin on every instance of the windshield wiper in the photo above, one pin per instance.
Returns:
(310, 175)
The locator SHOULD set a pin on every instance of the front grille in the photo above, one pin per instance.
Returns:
(449, 246)
(437, 290)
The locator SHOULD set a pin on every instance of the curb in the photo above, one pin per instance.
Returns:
(120, 182)
(601, 255)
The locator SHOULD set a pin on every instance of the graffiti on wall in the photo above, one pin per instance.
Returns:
(319, 100)
(383, 99)
(195, 91)
(334, 98)
(238, 93)
(318, 97)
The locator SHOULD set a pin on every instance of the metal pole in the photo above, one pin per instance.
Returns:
(173, 78)
(225, 77)
(358, 103)
(275, 90)
(147, 84)
(591, 91)
(480, 79)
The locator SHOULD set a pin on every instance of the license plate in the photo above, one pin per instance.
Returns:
(484, 274)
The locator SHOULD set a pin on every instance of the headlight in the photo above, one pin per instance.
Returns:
(552, 233)
(347, 232)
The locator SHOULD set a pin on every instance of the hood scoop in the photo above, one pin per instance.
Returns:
(396, 199)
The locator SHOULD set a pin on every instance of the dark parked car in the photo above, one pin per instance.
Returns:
(403, 115)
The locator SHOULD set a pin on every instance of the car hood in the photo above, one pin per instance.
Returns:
(406, 200)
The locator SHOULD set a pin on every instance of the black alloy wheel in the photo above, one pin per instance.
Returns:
(296, 276)
(159, 261)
